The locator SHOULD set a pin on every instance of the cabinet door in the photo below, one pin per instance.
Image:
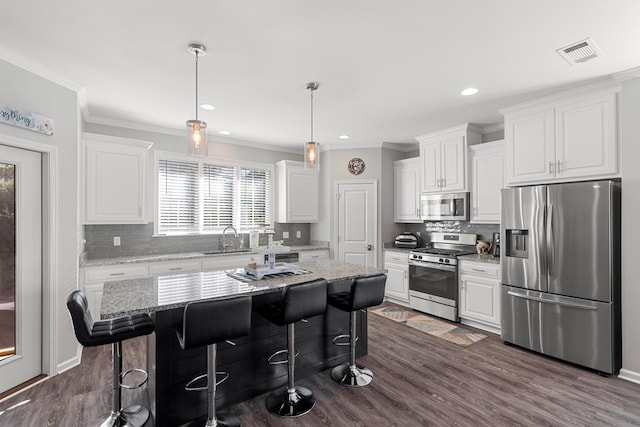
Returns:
(452, 164)
(487, 179)
(397, 286)
(407, 191)
(586, 138)
(530, 147)
(115, 180)
(430, 156)
(298, 193)
(480, 299)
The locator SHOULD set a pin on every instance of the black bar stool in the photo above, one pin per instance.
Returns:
(365, 292)
(206, 323)
(112, 331)
(298, 302)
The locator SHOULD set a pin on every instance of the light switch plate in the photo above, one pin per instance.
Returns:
(285, 234)
(116, 240)
(298, 234)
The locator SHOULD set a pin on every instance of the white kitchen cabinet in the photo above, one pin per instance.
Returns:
(443, 158)
(95, 277)
(115, 180)
(298, 193)
(566, 137)
(480, 294)
(406, 175)
(175, 267)
(397, 266)
(313, 255)
(487, 179)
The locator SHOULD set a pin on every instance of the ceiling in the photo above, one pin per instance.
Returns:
(388, 70)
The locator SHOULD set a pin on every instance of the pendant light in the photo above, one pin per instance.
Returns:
(311, 148)
(197, 129)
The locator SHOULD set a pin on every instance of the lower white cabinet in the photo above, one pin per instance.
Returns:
(95, 277)
(175, 267)
(313, 254)
(480, 295)
(397, 266)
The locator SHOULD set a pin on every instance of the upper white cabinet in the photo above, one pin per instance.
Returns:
(565, 137)
(486, 164)
(298, 193)
(406, 175)
(443, 158)
(115, 180)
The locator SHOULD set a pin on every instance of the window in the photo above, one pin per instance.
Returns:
(206, 196)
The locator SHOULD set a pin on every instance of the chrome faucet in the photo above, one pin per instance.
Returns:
(224, 232)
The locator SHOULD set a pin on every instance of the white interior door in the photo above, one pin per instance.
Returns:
(357, 222)
(20, 266)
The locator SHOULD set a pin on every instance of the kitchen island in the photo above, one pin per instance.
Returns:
(245, 359)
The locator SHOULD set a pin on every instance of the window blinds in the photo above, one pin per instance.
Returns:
(205, 197)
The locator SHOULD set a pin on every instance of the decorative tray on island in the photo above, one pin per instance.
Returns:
(262, 270)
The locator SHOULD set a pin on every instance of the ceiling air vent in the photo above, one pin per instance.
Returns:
(579, 52)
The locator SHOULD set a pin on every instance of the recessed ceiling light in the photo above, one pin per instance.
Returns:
(207, 107)
(469, 91)
(224, 132)
(343, 137)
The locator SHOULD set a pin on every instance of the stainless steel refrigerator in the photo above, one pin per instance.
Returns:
(561, 271)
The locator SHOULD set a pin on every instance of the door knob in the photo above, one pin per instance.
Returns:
(369, 247)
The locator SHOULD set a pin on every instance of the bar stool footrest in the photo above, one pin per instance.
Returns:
(278, 353)
(341, 337)
(134, 386)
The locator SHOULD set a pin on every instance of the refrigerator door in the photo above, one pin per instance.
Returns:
(522, 230)
(579, 239)
(571, 329)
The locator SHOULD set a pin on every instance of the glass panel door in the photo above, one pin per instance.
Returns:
(7, 261)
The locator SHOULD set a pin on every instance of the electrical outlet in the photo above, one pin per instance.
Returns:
(116, 240)
(285, 234)
(298, 234)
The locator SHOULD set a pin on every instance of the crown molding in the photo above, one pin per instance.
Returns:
(630, 74)
(38, 69)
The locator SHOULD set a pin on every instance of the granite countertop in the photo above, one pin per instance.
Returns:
(98, 262)
(124, 297)
(490, 259)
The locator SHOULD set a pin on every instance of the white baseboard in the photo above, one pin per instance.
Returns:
(478, 325)
(396, 301)
(71, 363)
(628, 375)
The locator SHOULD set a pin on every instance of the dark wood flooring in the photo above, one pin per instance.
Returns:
(420, 380)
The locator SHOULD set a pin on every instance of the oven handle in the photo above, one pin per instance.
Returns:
(433, 265)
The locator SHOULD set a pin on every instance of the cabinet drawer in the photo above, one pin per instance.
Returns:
(396, 257)
(311, 255)
(103, 274)
(174, 267)
(480, 268)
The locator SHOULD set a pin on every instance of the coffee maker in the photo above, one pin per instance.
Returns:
(495, 245)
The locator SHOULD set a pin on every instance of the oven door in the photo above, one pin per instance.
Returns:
(438, 280)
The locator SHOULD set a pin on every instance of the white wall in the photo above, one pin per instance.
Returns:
(27, 91)
(629, 110)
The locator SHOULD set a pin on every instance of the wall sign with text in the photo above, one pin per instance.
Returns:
(25, 119)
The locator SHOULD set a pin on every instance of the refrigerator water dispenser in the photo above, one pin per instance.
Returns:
(517, 243)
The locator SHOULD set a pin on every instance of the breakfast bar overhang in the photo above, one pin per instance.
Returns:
(244, 359)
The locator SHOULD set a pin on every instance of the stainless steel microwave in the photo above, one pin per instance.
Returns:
(445, 207)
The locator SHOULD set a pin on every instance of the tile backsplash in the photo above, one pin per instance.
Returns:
(138, 240)
(484, 231)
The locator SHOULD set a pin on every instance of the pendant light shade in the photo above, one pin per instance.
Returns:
(197, 129)
(311, 148)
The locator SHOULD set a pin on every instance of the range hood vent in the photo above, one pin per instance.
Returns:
(579, 52)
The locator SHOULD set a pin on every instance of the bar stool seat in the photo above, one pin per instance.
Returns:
(206, 323)
(298, 302)
(365, 292)
(112, 331)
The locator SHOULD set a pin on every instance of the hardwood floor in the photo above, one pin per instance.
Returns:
(420, 380)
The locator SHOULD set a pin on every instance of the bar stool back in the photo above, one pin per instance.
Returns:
(112, 331)
(206, 323)
(365, 292)
(299, 302)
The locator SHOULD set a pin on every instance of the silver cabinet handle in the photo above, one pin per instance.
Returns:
(558, 166)
(479, 270)
(116, 274)
(550, 168)
(444, 182)
(175, 269)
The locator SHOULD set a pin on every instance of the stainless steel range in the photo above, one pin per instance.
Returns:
(433, 274)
